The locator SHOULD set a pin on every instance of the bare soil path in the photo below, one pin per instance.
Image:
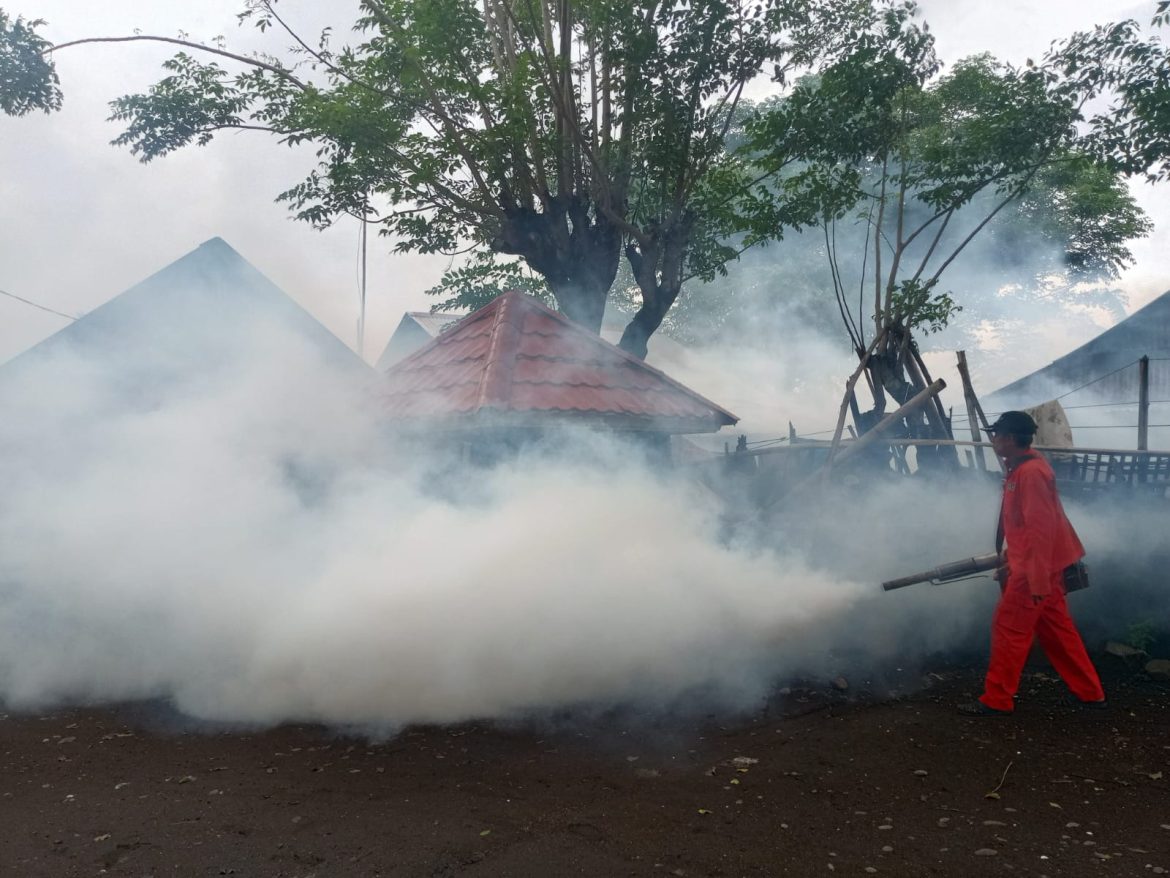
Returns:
(818, 784)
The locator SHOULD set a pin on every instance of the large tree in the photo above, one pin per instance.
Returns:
(1061, 247)
(562, 133)
(936, 162)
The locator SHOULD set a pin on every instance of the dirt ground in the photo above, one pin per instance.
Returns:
(819, 782)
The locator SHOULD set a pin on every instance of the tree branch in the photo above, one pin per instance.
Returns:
(1012, 196)
(282, 72)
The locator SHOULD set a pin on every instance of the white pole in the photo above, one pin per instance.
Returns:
(361, 328)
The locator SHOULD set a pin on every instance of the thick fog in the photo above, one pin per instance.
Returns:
(224, 520)
(248, 539)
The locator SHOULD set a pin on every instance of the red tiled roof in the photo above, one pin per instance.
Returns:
(516, 362)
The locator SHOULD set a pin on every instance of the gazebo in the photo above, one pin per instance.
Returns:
(515, 369)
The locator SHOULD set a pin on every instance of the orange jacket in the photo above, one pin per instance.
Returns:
(1041, 541)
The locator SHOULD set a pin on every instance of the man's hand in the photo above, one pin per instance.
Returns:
(1002, 573)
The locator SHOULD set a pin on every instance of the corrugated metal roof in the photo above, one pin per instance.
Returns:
(517, 362)
(414, 330)
(193, 313)
(1145, 332)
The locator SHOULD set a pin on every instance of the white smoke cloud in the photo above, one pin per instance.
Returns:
(245, 538)
(250, 543)
(770, 381)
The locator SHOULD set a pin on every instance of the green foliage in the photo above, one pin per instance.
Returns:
(915, 306)
(1119, 66)
(980, 173)
(898, 164)
(484, 277)
(1086, 210)
(28, 80)
(197, 100)
(1142, 635)
(933, 161)
(984, 125)
(552, 139)
(565, 134)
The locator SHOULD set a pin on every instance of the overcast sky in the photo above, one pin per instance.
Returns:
(83, 220)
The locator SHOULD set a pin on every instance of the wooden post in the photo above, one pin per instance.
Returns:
(849, 385)
(1141, 461)
(899, 452)
(1144, 403)
(972, 405)
(855, 410)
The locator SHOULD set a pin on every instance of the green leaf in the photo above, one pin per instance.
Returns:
(28, 79)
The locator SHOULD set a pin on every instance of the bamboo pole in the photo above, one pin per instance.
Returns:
(921, 398)
(864, 441)
(936, 416)
(944, 423)
(854, 410)
(967, 443)
(849, 386)
(972, 403)
(1076, 449)
(837, 452)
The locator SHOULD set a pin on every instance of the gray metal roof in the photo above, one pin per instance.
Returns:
(414, 330)
(208, 310)
(1146, 332)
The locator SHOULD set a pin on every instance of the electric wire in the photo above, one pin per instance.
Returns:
(1098, 378)
(36, 305)
(963, 419)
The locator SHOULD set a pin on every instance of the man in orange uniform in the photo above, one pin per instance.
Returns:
(1041, 543)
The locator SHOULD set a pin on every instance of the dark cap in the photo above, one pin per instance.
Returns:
(1015, 423)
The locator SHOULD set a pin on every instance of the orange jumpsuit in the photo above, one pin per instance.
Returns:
(1041, 543)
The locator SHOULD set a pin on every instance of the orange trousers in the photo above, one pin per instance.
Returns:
(1018, 620)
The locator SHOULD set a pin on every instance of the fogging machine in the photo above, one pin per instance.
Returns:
(952, 572)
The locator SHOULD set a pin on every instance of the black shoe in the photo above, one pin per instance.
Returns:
(1076, 704)
(978, 708)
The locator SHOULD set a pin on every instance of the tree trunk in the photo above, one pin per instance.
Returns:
(581, 299)
(895, 370)
(577, 256)
(657, 264)
(636, 336)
